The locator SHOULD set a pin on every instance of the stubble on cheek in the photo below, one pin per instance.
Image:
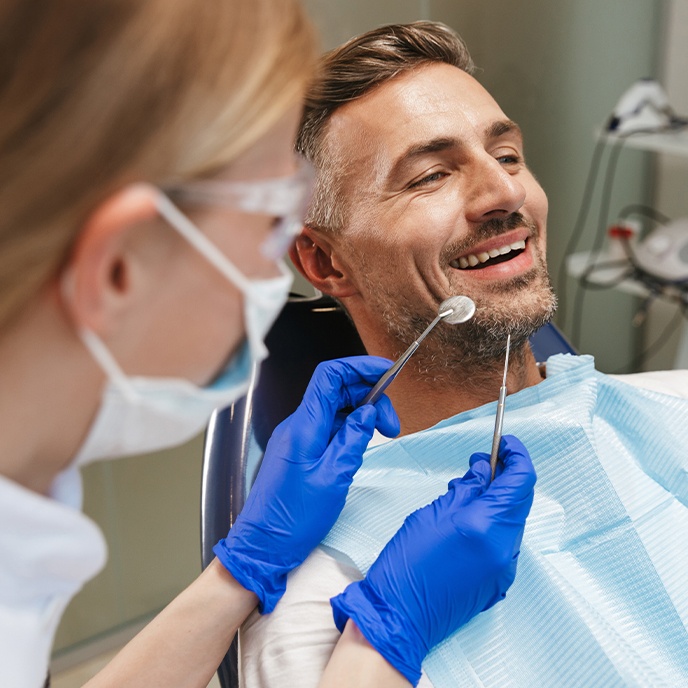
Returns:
(519, 307)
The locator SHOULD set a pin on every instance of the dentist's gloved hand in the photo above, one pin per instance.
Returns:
(448, 562)
(303, 481)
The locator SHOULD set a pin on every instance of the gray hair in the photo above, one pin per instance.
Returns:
(349, 72)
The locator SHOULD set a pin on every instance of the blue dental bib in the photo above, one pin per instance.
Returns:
(601, 594)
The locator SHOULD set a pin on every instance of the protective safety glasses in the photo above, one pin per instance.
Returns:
(285, 198)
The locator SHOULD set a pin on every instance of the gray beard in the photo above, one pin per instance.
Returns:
(471, 349)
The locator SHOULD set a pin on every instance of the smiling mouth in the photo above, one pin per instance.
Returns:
(477, 261)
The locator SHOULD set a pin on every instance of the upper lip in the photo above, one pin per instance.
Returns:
(519, 234)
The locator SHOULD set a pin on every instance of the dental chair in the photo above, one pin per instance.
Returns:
(308, 331)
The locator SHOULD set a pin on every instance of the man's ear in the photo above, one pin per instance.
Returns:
(97, 284)
(315, 256)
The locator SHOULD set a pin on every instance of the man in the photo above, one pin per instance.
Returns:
(422, 193)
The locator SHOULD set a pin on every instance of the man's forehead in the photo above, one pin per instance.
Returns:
(430, 102)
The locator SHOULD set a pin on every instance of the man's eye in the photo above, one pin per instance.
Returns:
(511, 159)
(428, 179)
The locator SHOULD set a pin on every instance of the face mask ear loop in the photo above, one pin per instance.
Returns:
(95, 345)
(200, 242)
(107, 362)
(209, 251)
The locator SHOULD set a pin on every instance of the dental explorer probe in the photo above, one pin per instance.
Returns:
(496, 438)
(454, 310)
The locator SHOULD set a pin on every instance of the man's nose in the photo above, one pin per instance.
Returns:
(494, 191)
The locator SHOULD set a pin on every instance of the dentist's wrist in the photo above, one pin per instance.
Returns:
(388, 631)
(268, 583)
(355, 663)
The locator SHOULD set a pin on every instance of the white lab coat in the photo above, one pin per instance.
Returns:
(48, 550)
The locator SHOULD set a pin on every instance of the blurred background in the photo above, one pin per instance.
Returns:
(558, 69)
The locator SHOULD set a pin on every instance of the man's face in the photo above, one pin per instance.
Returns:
(441, 203)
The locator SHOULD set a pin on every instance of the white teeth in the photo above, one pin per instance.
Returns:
(471, 260)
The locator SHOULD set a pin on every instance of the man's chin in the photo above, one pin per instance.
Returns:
(519, 306)
(484, 338)
(520, 310)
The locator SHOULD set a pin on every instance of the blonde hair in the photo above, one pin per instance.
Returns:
(95, 94)
(348, 73)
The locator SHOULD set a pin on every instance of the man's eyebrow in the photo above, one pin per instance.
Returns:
(418, 150)
(501, 127)
(436, 145)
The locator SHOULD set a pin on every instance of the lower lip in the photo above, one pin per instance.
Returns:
(501, 271)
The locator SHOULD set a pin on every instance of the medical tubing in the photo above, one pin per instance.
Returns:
(603, 217)
(651, 283)
(586, 284)
(578, 226)
(634, 274)
(603, 221)
(644, 211)
(596, 285)
(605, 202)
(606, 199)
(576, 324)
(653, 348)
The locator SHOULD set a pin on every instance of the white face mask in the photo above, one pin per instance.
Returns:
(140, 414)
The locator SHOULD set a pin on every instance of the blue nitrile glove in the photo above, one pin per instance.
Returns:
(303, 481)
(448, 562)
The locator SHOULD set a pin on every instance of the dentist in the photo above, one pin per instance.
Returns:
(148, 192)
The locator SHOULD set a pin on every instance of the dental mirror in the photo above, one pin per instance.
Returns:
(454, 310)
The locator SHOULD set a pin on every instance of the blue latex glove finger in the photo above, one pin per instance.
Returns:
(387, 419)
(345, 452)
(345, 383)
(520, 476)
(480, 465)
(305, 476)
(471, 484)
(479, 456)
(449, 561)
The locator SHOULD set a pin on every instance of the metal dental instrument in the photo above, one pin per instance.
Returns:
(500, 413)
(454, 310)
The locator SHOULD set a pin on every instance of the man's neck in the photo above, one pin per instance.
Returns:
(422, 401)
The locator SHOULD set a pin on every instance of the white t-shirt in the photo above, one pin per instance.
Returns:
(48, 550)
(291, 646)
